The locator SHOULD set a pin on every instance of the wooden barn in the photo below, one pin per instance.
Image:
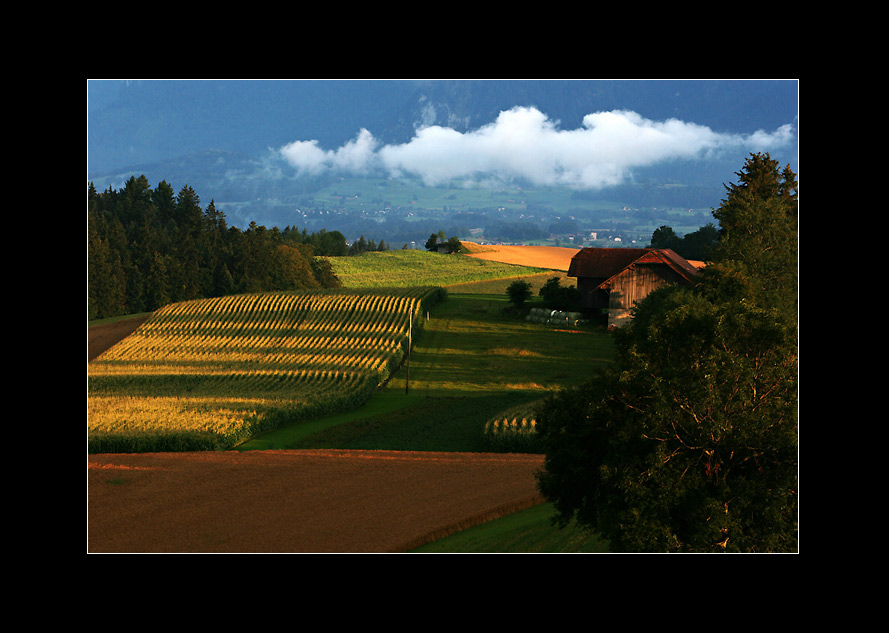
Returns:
(612, 280)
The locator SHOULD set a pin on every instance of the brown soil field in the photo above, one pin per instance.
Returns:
(554, 257)
(298, 501)
(102, 336)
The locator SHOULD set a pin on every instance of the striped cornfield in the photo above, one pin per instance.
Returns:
(514, 430)
(507, 425)
(209, 373)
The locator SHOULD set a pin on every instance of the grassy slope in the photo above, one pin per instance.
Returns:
(393, 269)
(471, 362)
(524, 532)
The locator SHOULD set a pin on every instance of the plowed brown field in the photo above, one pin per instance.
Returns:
(297, 501)
(554, 257)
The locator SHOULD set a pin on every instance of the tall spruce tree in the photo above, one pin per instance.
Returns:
(758, 227)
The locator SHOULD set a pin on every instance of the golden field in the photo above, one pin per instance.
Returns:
(552, 257)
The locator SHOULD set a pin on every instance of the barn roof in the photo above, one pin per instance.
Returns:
(605, 263)
(602, 262)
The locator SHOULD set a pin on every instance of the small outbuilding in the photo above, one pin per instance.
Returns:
(612, 280)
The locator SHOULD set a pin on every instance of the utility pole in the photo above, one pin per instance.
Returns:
(410, 330)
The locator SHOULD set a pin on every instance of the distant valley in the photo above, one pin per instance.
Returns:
(404, 211)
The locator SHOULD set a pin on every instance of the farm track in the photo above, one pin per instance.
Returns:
(293, 501)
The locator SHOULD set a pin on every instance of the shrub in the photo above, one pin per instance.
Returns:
(519, 292)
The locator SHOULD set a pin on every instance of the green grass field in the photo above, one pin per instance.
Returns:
(525, 532)
(473, 361)
(397, 269)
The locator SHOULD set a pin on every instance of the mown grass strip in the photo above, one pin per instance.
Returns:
(527, 531)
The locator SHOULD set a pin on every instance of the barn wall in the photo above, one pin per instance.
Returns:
(590, 299)
(633, 285)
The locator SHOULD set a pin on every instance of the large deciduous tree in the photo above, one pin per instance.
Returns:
(689, 442)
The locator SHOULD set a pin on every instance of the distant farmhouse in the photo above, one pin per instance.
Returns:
(614, 279)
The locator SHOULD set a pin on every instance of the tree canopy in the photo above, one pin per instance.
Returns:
(558, 297)
(436, 240)
(689, 442)
(758, 226)
(148, 247)
(697, 245)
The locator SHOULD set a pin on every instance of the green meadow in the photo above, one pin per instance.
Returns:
(524, 532)
(403, 268)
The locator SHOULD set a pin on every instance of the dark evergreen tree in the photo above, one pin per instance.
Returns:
(359, 246)
(699, 245)
(157, 284)
(106, 288)
(189, 280)
(329, 243)
(665, 237)
(758, 229)
(213, 252)
(164, 200)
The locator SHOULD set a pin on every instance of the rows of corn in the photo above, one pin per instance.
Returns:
(513, 430)
(208, 374)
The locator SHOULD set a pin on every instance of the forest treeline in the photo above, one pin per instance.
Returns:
(150, 247)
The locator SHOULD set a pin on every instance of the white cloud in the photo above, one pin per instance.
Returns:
(524, 143)
(306, 156)
(356, 156)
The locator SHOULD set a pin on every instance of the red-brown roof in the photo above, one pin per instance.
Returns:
(605, 263)
(602, 262)
(672, 259)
